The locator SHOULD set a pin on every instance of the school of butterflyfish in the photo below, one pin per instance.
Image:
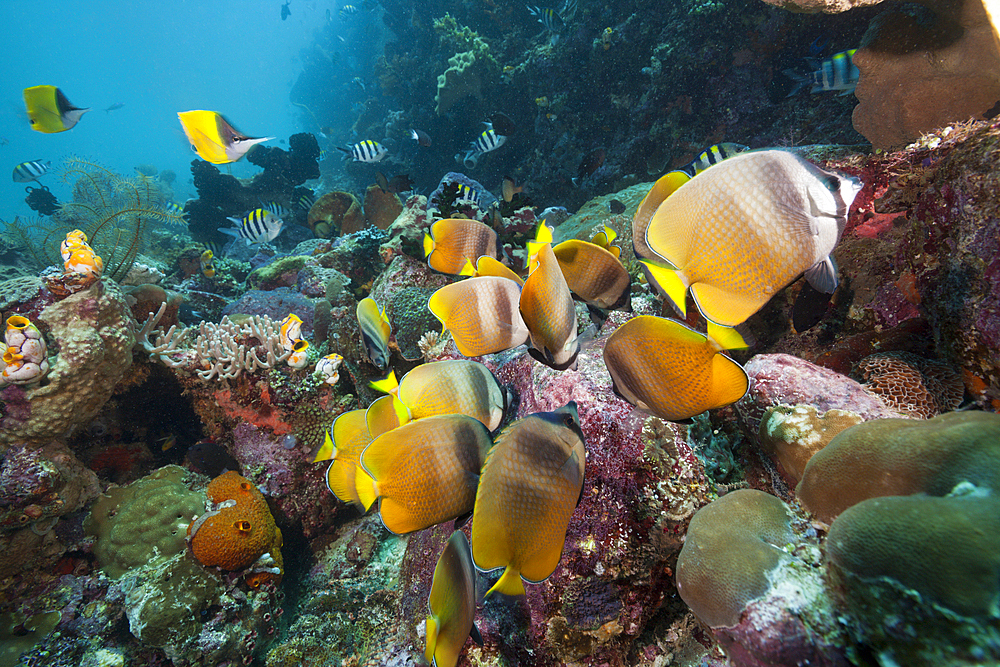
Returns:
(730, 229)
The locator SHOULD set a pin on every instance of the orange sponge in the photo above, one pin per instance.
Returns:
(239, 531)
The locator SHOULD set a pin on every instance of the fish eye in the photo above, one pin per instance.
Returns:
(832, 183)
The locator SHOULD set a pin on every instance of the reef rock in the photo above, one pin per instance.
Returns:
(924, 66)
(92, 332)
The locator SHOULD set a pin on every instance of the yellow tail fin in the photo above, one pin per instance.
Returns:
(669, 282)
(387, 385)
(428, 245)
(509, 583)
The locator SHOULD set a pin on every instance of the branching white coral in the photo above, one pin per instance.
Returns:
(220, 351)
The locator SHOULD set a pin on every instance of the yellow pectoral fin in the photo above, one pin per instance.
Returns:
(509, 583)
(468, 269)
(432, 635)
(669, 282)
(727, 338)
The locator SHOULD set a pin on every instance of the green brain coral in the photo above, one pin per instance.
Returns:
(732, 546)
(144, 521)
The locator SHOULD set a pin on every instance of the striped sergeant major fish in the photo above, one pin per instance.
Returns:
(836, 73)
(554, 21)
(257, 226)
(31, 171)
(487, 141)
(366, 151)
(712, 155)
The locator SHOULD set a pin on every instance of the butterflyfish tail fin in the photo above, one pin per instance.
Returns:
(387, 385)
(432, 635)
(726, 338)
(327, 451)
(428, 245)
(366, 487)
(509, 583)
(670, 283)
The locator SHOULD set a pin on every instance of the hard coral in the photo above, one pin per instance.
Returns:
(239, 531)
(336, 213)
(911, 384)
(381, 207)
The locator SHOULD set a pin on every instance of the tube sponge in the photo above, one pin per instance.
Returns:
(732, 546)
(901, 457)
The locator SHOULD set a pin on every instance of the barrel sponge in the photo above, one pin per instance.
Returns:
(947, 549)
(901, 457)
(732, 546)
(460, 79)
(92, 331)
(144, 521)
(239, 530)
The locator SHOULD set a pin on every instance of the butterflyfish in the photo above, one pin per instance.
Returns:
(739, 232)
(665, 186)
(529, 487)
(453, 386)
(426, 471)
(49, 111)
(452, 242)
(375, 332)
(593, 274)
(508, 189)
(606, 239)
(489, 266)
(207, 265)
(451, 605)
(384, 414)
(213, 138)
(344, 442)
(481, 313)
(547, 307)
(672, 371)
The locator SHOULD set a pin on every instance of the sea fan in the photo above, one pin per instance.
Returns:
(116, 212)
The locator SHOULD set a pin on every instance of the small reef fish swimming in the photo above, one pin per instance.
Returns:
(451, 605)
(481, 313)
(554, 21)
(174, 208)
(426, 471)
(467, 195)
(285, 11)
(672, 371)
(114, 107)
(366, 151)
(421, 138)
(345, 440)
(257, 226)
(508, 189)
(714, 154)
(306, 201)
(207, 265)
(289, 330)
(31, 171)
(375, 333)
(547, 308)
(741, 231)
(49, 111)
(214, 138)
(348, 10)
(453, 386)
(594, 275)
(488, 140)
(450, 243)
(836, 73)
(528, 489)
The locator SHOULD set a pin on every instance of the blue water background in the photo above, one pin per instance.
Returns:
(233, 56)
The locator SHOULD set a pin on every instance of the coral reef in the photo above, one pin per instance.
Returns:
(335, 214)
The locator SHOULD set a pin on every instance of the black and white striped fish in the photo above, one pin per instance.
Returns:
(31, 171)
(467, 195)
(366, 151)
(554, 21)
(835, 73)
(714, 154)
(276, 210)
(257, 226)
(487, 141)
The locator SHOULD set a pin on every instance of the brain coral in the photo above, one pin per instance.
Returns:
(239, 530)
(911, 384)
(900, 457)
(143, 521)
(732, 546)
(92, 331)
